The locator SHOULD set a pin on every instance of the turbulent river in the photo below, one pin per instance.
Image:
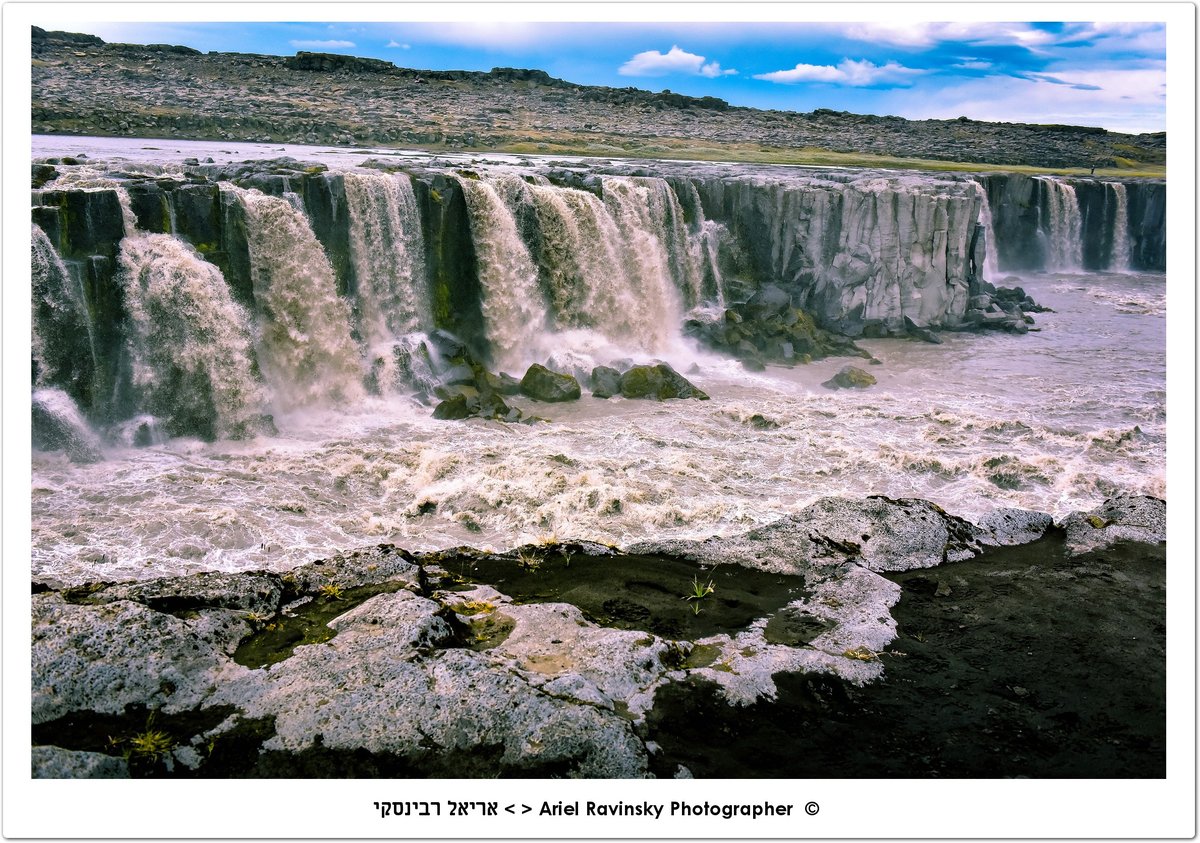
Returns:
(1054, 420)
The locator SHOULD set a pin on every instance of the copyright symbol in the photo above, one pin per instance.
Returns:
(811, 809)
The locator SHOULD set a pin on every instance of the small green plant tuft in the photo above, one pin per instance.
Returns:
(475, 607)
(862, 654)
(700, 590)
(330, 591)
(529, 560)
(150, 745)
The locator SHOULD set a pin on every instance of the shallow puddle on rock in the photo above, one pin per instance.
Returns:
(277, 638)
(661, 595)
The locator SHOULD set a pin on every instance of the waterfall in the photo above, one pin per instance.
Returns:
(638, 208)
(1120, 238)
(991, 260)
(587, 270)
(189, 341)
(1066, 230)
(698, 250)
(305, 349)
(388, 254)
(514, 312)
(709, 239)
(64, 344)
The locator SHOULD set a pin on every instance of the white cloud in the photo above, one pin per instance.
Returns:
(321, 45)
(675, 60)
(394, 43)
(928, 34)
(713, 70)
(848, 72)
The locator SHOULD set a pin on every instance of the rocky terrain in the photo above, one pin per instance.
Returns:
(82, 85)
(577, 659)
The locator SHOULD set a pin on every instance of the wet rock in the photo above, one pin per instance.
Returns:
(769, 300)
(850, 377)
(767, 328)
(465, 402)
(880, 533)
(660, 382)
(542, 384)
(467, 392)
(52, 762)
(382, 564)
(1014, 526)
(448, 346)
(923, 334)
(255, 593)
(43, 173)
(554, 644)
(502, 383)
(455, 409)
(605, 382)
(1134, 518)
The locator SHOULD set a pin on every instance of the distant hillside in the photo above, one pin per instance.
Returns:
(82, 85)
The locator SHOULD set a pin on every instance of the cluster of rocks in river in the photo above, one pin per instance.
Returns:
(767, 327)
(82, 85)
(384, 663)
(468, 390)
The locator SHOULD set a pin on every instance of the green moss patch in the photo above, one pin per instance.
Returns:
(652, 593)
(277, 638)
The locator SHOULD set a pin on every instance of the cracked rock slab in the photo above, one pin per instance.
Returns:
(103, 658)
(373, 688)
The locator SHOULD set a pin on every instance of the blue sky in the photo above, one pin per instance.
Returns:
(1097, 74)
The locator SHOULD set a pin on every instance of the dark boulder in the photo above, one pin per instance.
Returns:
(43, 173)
(850, 377)
(917, 332)
(458, 407)
(543, 384)
(605, 382)
(502, 384)
(659, 382)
